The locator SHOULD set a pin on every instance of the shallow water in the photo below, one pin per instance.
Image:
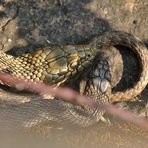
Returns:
(119, 134)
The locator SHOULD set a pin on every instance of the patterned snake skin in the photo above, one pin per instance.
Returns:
(56, 65)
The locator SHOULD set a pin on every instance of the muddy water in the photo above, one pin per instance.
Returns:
(119, 134)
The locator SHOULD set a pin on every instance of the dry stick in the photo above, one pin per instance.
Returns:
(74, 97)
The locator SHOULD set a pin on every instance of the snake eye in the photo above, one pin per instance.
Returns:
(7, 70)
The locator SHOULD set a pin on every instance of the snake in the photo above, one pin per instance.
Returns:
(56, 65)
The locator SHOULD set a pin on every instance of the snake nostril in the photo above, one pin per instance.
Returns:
(88, 55)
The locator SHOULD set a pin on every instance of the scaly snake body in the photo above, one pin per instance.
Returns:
(54, 65)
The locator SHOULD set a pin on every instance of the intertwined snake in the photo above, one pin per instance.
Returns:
(54, 65)
(57, 64)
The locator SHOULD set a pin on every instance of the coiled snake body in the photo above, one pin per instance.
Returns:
(57, 64)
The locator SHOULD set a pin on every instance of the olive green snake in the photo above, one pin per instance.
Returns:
(56, 65)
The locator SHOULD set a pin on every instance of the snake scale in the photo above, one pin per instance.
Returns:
(58, 64)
